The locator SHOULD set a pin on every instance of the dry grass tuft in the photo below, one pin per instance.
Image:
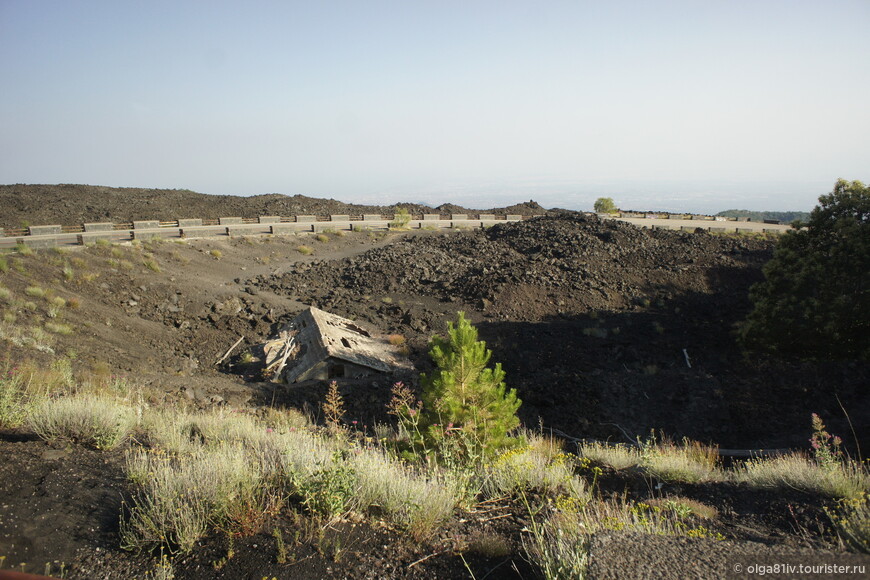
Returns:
(34, 291)
(846, 479)
(84, 419)
(689, 462)
(151, 264)
(618, 456)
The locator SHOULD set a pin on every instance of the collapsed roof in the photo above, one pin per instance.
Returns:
(320, 345)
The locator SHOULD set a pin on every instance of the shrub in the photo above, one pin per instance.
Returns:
(5, 294)
(400, 343)
(826, 447)
(24, 249)
(684, 507)
(59, 328)
(330, 490)
(216, 254)
(605, 205)
(151, 264)
(13, 399)
(539, 466)
(305, 250)
(85, 419)
(333, 406)
(55, 305)
(401, 219)
(321, 238)
(410, 499)
(815, 299)
(34, 291)
(177, 500)
(852, 522)
(4, 265)
(559, 546)
(313, 467)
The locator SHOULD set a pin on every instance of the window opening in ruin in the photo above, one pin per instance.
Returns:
(356, 329)
(345, 342)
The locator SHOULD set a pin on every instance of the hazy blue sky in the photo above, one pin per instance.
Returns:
(689, 105)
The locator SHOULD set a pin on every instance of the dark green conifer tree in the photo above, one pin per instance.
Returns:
(815, 299)
(463, 394)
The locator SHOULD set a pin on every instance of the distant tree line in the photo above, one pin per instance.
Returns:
(786, 217)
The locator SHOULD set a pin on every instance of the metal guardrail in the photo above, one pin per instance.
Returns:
(72, 235)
